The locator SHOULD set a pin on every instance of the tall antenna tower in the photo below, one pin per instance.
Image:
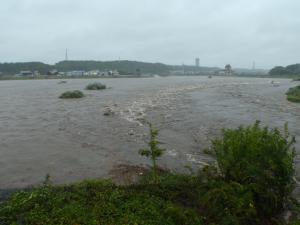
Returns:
(253, 65)
(66, 57)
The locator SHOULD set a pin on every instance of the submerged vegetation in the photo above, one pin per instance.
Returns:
(251, 183)
(72, 94)
(293, 94)
(96, 86)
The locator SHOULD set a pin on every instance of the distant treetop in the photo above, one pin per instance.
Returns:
(293, 69)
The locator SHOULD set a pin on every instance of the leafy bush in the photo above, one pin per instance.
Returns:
(72, 94)
(261, 160)
(293, 94)
(95, 86)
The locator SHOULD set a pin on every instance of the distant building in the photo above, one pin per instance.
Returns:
(114, 73)
(75, 73)
(25, 73)
(94, 73)
(220, 72)
(52, 72)
(197, 62)
(226, 71)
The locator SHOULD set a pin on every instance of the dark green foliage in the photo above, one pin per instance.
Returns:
(289, 70)
(72, 94)
(127, 67)
(293, 94)
(261, 160)
(94, 202)
(96, 86)
(153, 152)
(216, 201)
(14, 68)
(228, 203)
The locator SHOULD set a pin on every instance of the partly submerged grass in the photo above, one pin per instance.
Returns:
(72, 94)
(96, 86)
(293, 94)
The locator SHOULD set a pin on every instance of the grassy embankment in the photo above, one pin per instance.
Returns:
(251, 183)
(293, 94)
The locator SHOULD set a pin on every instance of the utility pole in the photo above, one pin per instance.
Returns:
(66, 57)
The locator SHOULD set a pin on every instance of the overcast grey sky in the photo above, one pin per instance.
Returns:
(168, 31)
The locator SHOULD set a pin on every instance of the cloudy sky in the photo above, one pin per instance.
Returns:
(169, 31)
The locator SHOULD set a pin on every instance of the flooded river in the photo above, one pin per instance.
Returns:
(72, 140)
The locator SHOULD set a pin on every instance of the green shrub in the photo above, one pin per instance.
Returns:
(261, 160)
(229, 203)
(72, 94)
(293, 94)
(95, 86)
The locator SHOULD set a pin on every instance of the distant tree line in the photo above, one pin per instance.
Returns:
(13, 68)
(124, 67)
(293, 69)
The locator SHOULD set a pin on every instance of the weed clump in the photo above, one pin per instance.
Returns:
(96, 86)
(293, 94)
(72, 94)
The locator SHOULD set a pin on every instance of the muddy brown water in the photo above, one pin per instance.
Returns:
(72, 140)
